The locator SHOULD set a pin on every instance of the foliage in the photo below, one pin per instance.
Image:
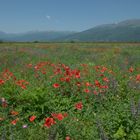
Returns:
(76, 91)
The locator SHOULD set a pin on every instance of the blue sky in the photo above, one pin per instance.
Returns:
(73, 15)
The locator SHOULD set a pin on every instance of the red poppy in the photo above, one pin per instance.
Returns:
(105, 79)
(67, 138)
(103, 69)
(22, 83)
(58, 116)
(77, 75)
(29, 65)
(32, 118)
(78, 84)
(95, 92)
(79, 106)
(14, 122)
(67, 79)
(7, 74)
(97, 83)
(131, 69)
(1, 81)
(88, 84)
(86, 90)
(138, 77)
(49, 122)
(104, 86)
(14, 113)
(62, 79)
(56, 85)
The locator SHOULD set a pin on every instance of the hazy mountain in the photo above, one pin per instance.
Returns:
(35, 36)
(128, 30)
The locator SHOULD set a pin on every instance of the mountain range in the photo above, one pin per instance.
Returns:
(34, 36)
(128, 30)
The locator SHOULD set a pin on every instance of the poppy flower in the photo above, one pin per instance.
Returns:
(29, 65)
(86, 90)
(67, 79)
(14, 113)
(77, 75)
(103, 69)
(131, 69)
(32, 118)
(105, 79)
(49, 122)
(88, 84)
(138, 77)
(7, 75)
(14, 122)
(22, 83)
(78, 84)
(97, 83)
(65, 114)
(67, 138)
(58, 116)
(1, 82)
(95, 92)
(79, 106)
(56, 85)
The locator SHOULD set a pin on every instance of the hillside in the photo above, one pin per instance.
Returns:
(34, 36)
(128, 30)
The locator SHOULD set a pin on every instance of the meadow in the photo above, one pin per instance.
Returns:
(69, 91)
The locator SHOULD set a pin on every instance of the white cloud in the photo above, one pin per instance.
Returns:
(48, 17)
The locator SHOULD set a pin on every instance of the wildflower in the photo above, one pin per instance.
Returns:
(138, 77)
(78, 84)
(22, 83)
(7, 74)
(131, 69)
(67, 138)
(32, 118)
(67, 79)
(56, 85)
(1, 119)
(62, 79)
(97, 83)
(65, 114)
(14, 122)
(101, 75)
(88, 84)
(4, 102)
(29, 65)
(1, 82)
(24, 126)
(95, 92)
(105, 79)
(77, 75)
(79, 106)
(58, 116)
(103, 69)
(14, 113)
(104, 86)
(43, 72)
(49, 122)
(86, 90)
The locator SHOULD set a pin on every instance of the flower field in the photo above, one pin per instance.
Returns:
(70, 91)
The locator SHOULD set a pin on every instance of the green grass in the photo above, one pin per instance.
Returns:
(110, 109)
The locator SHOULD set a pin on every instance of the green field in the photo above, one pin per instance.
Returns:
(69, 91)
